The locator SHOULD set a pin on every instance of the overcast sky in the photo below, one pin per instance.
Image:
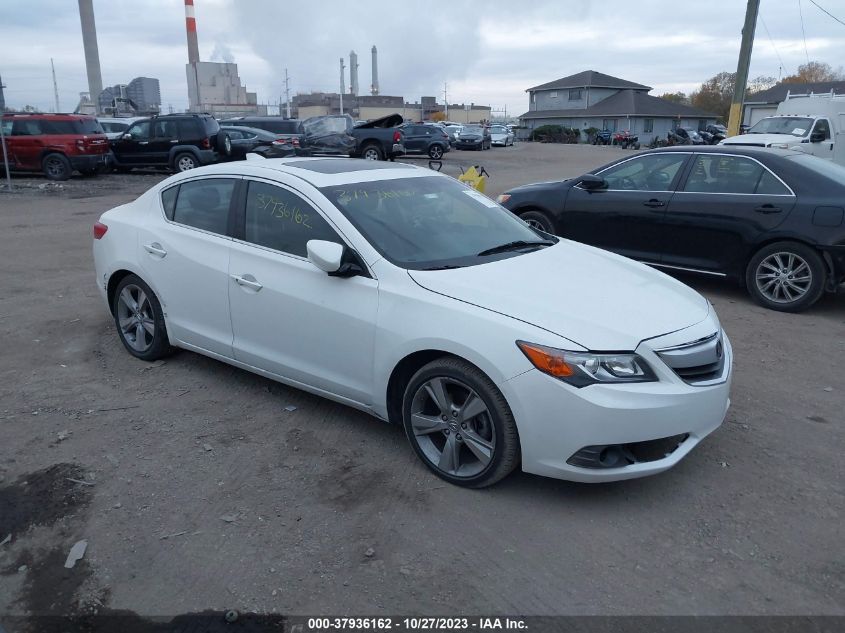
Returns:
(487, 53)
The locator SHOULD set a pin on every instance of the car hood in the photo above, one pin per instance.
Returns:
(601, 301)
(763, 140)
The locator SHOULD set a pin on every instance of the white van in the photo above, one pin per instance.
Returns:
(814, 124)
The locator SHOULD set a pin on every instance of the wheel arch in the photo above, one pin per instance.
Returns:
(182, 149)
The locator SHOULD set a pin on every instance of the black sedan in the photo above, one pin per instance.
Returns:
(258, 141)
(771, 219)
(474, 137)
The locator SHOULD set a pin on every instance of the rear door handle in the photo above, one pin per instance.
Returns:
(654, 203)
(767, 208)
(155, 249)
(175, 140)
(247, 281)
(143, 142)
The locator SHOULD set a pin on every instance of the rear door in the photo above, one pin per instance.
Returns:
(724, 205)
(626, 217)
(165, 136)
(415, 138)
(184, 251)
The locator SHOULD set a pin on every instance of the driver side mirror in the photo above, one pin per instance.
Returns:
(591, 182)
(333, 258)
(126, 137)
(817, 136)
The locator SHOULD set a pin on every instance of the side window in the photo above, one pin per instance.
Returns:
(204, 204)
(187, 129)
(822, 126)
(7, 126)
(234, 134)
(654, 172)
(168, 201)
(771, 186)
(140, 130)
(713, 173)
(281, 220)
(165, 129)
(26, 127)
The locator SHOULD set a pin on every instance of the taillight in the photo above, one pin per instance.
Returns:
(397, 136)
(206, 144)
(99, 230)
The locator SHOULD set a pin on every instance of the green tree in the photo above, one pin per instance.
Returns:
(675, 97)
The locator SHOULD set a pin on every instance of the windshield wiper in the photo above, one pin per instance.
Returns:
(445, 267)
(512, 246)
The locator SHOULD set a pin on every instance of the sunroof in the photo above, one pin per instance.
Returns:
(344, 165)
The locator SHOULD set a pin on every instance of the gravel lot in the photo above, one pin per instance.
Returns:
(201, 491)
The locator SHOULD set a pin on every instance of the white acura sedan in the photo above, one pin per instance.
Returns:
(403, 293)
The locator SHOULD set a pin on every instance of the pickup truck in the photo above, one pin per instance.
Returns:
(378, 139)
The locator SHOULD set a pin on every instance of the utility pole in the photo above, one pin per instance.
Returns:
(3, 138)
(287, 95)
(445, 102)
(55, 85)
(342, 68)
(742, 67)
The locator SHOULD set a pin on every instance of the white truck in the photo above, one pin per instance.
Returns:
(813, 123)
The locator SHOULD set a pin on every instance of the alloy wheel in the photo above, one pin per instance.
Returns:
(371, 153)
(435, 152)
(453, 427)
(55, 168)
(185, 163)
(136, 318)
(783, 277)
(535, 224)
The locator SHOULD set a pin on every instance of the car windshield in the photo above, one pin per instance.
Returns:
(471, 129)
(498, 129)
(430, 222)
(826, 168)
(796, 126)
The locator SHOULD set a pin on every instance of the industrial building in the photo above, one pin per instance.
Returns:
(368, 107)
(141, 96)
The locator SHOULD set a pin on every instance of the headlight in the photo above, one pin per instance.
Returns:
(581, 369)
(502, 198)
(779, 145)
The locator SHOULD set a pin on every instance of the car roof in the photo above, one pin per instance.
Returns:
(319, 172)
(745, 150)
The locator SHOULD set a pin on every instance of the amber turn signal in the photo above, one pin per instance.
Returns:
(546, 359)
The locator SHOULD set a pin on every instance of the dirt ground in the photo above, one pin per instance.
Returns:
(196, 488)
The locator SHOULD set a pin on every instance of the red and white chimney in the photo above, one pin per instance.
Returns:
(191, 28)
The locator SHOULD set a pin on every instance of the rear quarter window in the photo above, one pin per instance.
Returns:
(168, 201)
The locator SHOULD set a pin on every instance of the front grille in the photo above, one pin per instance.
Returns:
(699, 363)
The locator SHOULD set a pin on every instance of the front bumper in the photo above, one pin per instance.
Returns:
(468, 144)
(84, 162)
(556, 421)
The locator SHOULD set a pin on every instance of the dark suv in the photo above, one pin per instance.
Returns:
(425, 139)
(56, 144)
(178, 141)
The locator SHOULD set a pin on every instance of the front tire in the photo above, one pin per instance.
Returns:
(538, 220)
(56, 167)
(140, 320)
(786, 276)
(459, 424)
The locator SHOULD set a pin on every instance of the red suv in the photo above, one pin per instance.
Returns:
(56, 144)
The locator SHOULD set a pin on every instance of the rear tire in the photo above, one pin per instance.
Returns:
(139, 320)
(786, 276)
(477, 444)
(372, 152)
(224, 144)
(538, 220)
(185, 162)
(435, 152)
(56, 167)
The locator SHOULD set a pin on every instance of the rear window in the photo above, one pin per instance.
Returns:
(211, 126)
(826, 168)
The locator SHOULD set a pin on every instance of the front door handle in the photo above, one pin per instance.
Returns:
(247, 281)
(143, 142)
(767, 208)
(654, 203)
(155, 249)
(175, 140)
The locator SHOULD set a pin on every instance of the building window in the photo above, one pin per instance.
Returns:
(609, 124)
(702, 124)
(553, 95)
(648, 125)
(575, 94)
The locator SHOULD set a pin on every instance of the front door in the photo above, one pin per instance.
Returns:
(824, 147)
(186, 260)
(289, 317)
(725, 204)
(131, 147)
(625, 217)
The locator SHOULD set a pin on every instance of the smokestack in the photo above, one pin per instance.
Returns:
(353, 74)
(92, 54)
(374, 89)
(191, 28)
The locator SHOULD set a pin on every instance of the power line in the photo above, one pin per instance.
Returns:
(801, 13)
(782, 66)
(828, 12)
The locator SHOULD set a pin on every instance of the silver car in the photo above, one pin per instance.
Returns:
(501, 135)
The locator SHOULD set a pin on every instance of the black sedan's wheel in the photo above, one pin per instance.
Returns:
(139, 319)
(538, 220)
(459, 424)
(56, 167)
(786, 276)
(435, 152)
